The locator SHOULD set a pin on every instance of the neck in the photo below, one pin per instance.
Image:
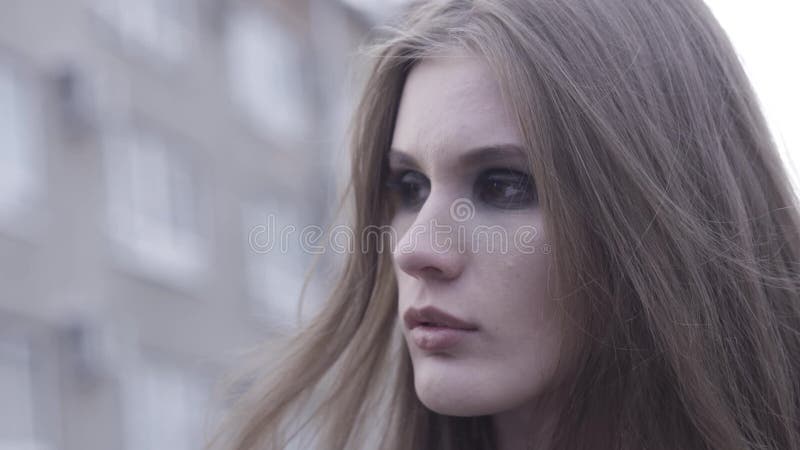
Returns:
(528, 427)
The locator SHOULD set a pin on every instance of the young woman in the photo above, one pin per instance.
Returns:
(647, 295)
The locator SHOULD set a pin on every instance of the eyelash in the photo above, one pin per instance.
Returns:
(402, 189)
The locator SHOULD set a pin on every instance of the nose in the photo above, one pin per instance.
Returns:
(433, 247)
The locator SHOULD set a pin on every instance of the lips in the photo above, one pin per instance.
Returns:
(434, 330)
(436, 318)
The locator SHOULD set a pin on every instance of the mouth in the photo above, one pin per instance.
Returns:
(435, 318)
(432, 329)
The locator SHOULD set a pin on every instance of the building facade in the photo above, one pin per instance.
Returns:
(141, 145)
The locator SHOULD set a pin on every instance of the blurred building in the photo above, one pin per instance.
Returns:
(141, 144)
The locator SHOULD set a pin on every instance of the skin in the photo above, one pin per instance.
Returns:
(450, 106)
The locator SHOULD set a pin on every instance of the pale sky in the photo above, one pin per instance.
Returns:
(767, 37)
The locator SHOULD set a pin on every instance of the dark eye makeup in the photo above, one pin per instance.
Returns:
(506, 189)
(408, 188)
(501, 188)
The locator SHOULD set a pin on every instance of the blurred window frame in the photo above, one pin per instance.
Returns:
(21, 357)
(155, 216)
(275, 261)
(21, 153)
(165, 403)
(164, 29)
(265, 70)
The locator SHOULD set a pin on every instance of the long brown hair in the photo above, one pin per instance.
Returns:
(674, 229)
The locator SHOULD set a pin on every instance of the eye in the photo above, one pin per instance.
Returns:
(408, 188)
(506, 189)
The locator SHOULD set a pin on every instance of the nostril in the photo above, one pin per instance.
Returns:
(431, 271)
(426, 263)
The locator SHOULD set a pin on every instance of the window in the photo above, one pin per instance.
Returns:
(17, 145)
(276, 262)
(153, 205)
(18, 428)
(166, 407)
(162, 27)
(378, 10)
(265, 70)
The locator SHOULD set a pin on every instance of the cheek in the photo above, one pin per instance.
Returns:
(515, 358)
(518, 299)
(525, 326)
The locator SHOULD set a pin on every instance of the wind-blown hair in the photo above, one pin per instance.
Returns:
(674, 231)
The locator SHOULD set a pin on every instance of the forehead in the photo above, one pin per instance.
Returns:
(451, 103)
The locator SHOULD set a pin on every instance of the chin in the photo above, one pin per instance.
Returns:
(449, 405)
(459, 394)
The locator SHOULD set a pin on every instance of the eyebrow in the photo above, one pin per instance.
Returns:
(474, 156)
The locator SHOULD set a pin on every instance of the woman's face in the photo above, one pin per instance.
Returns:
(471, 245)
